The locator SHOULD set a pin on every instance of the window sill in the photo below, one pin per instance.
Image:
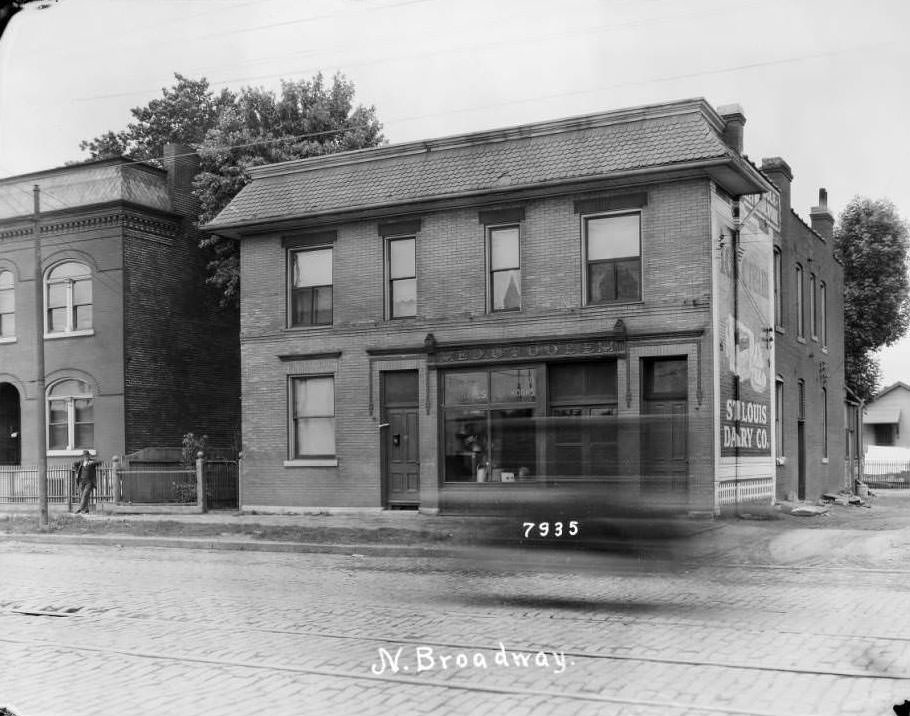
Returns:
(70, 453)
(69, 334)
(800, 339)
(781, 461)
(308, 329)
(8, 339)
(781, 330)
(824, 461)
(630, 302)
(312, 462)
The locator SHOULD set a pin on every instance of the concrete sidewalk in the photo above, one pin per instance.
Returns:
(879, 536)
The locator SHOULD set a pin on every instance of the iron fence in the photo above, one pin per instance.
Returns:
(886, 473)
(19, 484)
(221, 484)
(141, 483)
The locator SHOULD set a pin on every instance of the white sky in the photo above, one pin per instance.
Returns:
(823, 83)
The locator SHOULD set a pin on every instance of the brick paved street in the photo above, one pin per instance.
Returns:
(171, 631)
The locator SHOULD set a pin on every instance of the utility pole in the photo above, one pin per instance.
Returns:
(40, 404)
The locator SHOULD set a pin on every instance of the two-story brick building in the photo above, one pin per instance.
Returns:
(447, 322)
(136, 351)
(811, 417)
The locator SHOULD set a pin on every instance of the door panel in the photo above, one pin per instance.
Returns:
(401, 444)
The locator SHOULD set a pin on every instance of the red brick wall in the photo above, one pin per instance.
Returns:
(451, 283)
(182, 363)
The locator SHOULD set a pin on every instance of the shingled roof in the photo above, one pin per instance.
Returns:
(573, 150)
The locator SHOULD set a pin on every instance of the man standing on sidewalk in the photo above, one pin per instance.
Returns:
(84, 471)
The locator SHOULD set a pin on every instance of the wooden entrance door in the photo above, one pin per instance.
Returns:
(664, 426)
(401, 444)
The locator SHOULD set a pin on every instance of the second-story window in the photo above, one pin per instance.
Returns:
(800, 308)
(402, 271)
(69, 298)
(823, 311)
(778, 298)
(505, 269)
(813, 308)
(311, 287)
(612, 246)
(7, 305)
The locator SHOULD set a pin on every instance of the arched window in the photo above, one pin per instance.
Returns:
(69, 298)
(70, 416)
(7, 305)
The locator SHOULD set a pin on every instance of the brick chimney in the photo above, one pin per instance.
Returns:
(780, 174)
(182, 164)
(822, 219)
(734, 121)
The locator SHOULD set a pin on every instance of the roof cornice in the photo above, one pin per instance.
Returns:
(626, 178)
(493, 136)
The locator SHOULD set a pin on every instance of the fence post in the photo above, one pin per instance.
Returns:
(240, 480)
(115, 479)
(69, 490)
(200, 481)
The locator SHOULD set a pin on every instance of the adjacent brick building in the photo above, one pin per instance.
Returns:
(136, 351)
(447, 322)
(813, 454)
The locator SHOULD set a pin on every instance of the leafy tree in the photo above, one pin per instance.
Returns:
(306, 119)
(183, 114)
(872, 242)
(234, 131)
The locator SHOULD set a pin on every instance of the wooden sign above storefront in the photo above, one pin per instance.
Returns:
(527, 351)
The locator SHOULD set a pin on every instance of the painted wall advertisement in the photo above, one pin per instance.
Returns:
(745, 296)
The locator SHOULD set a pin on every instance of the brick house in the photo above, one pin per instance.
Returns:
(136, 352)
(442, 323)
(811, 417)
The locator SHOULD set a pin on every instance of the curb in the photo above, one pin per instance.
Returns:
(226, 545)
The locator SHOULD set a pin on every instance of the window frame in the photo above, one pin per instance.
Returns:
(290, 262)
(824, 423)
(800, 303)
(389, 281)
(779, 416)
(823, 306)
(71, 305)
(813, 308)
(778, 289)
(71, 449)
(586, 263)
(314, 459)
(489, 230)
(11, 290)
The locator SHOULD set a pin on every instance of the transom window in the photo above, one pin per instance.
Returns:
(402, 271)
(313, 417)
(311, 287)
(69, 298)
(7, 305)
(505, 269)
(613, 258)
(70, 416)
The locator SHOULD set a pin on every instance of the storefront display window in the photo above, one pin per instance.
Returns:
(489, 435)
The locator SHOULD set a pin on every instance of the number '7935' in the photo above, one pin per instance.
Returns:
(551, 529)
